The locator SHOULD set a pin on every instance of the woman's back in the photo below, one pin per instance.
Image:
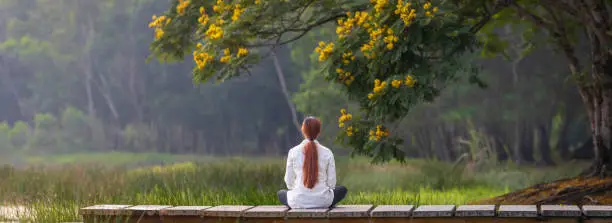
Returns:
(321, 195)
(311, 172)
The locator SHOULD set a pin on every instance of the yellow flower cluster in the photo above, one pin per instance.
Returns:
(379, 5)
(379, 87)
(396, 83)
(429, 13)
(345, 76)
(390, 39)
(344, 118)
(214, 32)
(242, 52)
(203, 19)
(226, 56)
(350, 131)
(406, 13)
(324, 50)
(347, 57)
(180, 8)
(375, 33)
(359, 19)
(237, 12)
(158, 23)
(220, 7)
(410, 81)
(379, 133)
(202, 59)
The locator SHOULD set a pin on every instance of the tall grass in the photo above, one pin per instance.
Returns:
(54, 193)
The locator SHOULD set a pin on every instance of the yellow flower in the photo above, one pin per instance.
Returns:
(379, 133)
(257, 2)
(199, 46)
(158, 21)
(379, 86)
(390, 39)
(350, 131)
(202, 58)
(435, 9)
(203, 19)
(406, 14)
(428, 13)
(220, 7)
(214, 32)
(324, 50)
(180, 8)
(159, 33)
(237, 12)
(242, 52)
(379, 5)
(349, 80)
(370, 96)
(344, 117)
(225, 59)
(396, 83)
(409, 81)
(427, 5)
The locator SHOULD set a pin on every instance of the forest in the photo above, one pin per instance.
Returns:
(193, 102)
(77, 76)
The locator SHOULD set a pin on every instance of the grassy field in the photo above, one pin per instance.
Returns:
(55, 187)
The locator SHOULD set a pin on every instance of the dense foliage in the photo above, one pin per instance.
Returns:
(387, 55)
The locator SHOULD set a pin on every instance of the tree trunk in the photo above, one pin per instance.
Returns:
(544, 144)
(563, 143)
(281, 80)
(527, 143)
(599, 104)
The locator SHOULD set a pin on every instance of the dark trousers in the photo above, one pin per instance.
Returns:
(339, 194)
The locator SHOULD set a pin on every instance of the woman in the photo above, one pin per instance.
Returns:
(311, 172)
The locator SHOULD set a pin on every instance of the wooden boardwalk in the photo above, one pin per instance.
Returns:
(349, 214)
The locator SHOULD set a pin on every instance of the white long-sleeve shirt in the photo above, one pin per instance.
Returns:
(322, 194)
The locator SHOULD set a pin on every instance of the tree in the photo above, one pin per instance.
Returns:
(391, 55)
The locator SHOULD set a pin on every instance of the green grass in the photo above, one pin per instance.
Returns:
(56, 190)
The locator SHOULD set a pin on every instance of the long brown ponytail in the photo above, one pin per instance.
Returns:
(311, 129)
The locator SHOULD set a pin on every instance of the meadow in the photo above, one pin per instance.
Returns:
(54, 187)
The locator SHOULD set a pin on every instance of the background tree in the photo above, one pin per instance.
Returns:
(390, 55)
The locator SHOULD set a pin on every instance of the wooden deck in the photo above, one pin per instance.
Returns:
(349, 214)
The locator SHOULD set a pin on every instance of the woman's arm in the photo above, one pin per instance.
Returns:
(331, 172)
(289, 174)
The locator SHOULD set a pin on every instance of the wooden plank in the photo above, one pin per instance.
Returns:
(308, 213)
(560, 211)
(475, 211)
(103, 209)
(518, 211)
(226, 211)
(350, 211)
(183, 210)
(597, 210)
(266, 211)
(392, 211)
(148, 210)
(434, 211)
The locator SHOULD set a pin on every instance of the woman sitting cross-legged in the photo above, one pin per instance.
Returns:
(311, 172)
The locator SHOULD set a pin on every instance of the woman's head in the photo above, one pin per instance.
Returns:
(311, 127)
